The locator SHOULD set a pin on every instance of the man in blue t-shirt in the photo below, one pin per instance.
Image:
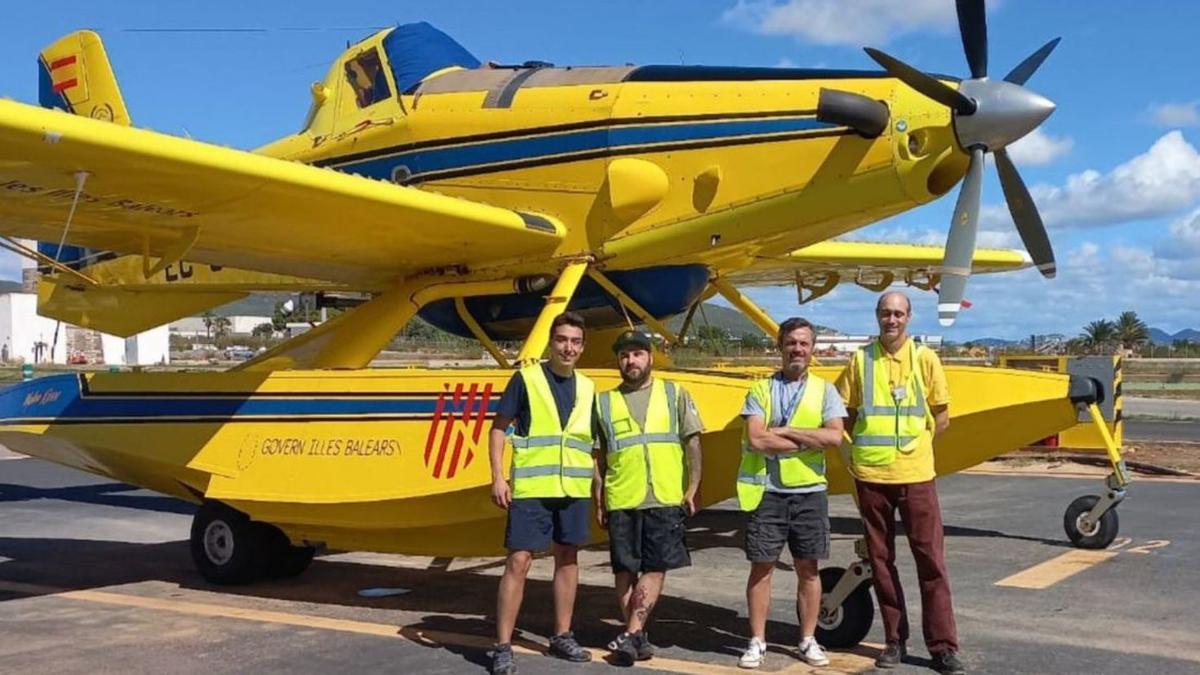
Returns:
(561, 524)
(796, 515)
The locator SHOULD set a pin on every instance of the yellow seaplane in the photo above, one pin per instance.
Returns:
(487, 198)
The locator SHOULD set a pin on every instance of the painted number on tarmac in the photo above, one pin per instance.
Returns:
(1150, 546)
(1122, 542)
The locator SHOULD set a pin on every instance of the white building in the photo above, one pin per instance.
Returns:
(22, 331)
(193, 326)
(848, 344)
(147, 348)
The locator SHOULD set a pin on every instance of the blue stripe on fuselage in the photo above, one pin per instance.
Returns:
(60, 398)
(435, 160)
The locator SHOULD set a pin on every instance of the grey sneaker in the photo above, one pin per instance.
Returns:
(565, 647)
(947, 663)
(626, 652)
(502, 661)
(645, 650)
(892, 655)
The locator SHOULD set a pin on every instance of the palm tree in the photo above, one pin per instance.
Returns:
(1130, 330)
(221, 326)
(1099, 334)
(209, 319)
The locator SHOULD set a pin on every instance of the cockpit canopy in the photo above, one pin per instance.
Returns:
(416, 50)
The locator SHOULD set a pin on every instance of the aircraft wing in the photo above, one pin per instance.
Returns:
(817, 269)
(158, 195)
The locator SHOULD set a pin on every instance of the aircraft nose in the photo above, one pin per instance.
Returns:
(1006, 112)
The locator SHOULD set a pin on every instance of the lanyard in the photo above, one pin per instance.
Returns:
(789, 409)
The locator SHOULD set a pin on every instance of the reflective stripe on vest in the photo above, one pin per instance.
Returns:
(802, 468)
(658, 466)
(553, 461)
(885, 426)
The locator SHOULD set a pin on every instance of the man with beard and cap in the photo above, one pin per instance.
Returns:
(647, 475)
(791, 418)
(898, 399)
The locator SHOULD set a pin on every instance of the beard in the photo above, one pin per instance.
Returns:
(635, 377)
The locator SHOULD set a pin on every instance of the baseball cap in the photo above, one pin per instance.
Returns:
(631, 339)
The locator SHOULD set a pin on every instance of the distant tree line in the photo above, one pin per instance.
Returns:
(1129, 335)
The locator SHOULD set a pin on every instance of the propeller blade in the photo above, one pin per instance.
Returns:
(934, 89)
(1025, 215)
(1026, 69)
(972, 25)
(960, 244)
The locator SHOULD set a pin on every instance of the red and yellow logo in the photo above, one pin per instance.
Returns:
(456, 429)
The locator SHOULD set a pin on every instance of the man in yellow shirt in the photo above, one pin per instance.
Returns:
(897, 398)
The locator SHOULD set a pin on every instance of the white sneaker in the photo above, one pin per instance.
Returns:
(753, 656)
(812, 654)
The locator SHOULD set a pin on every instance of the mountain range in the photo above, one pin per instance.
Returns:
(1162, 337)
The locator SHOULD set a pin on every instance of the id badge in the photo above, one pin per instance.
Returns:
(899, 393)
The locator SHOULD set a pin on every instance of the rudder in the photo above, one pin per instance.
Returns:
(74, 75)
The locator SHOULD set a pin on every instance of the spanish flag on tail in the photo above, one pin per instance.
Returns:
(74, 75)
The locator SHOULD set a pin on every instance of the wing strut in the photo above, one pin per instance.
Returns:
(556, 303)
(752, 311)
(460, 306)
(626, 301)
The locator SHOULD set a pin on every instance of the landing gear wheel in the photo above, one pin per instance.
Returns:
(284, 561)
(226, 547)
(1085, 532)
(847, 625)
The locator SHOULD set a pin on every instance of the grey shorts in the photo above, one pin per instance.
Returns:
(800, 520)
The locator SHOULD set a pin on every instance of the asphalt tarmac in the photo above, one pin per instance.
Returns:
(96, 575)
(1156, 430)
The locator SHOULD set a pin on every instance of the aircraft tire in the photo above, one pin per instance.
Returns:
(852, 621)
(225, 545)
(284, 560)
(1099, 536)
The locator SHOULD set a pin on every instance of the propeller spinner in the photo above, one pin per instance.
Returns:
(989, 115)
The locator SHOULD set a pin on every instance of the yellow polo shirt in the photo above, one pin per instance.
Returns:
(917, 466)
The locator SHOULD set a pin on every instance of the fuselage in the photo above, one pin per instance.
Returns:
(730, 163)
(657, 171)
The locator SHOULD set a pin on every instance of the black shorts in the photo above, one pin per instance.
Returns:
(534, 522)
(648, 540)
(801, 520)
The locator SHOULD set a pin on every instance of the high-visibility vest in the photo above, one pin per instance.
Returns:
(638, 457)
(885, 426)
(806, 467)
(553, 460)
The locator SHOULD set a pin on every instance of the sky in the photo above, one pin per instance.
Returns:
(1115, 171)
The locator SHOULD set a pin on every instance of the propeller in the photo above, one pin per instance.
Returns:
(989, 115)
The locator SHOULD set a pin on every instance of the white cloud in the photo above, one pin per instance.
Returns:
(785, 62)
(1039, 148)
(1183, 240)
(930, 236)
(1185, 114)
(1163, 180)
(841, 22)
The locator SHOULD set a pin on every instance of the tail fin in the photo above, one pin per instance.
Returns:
(74, 75)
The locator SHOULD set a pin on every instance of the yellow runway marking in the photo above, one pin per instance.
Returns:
(1045, 575)
(839, 662)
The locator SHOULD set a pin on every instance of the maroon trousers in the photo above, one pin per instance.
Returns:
(922, 518)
